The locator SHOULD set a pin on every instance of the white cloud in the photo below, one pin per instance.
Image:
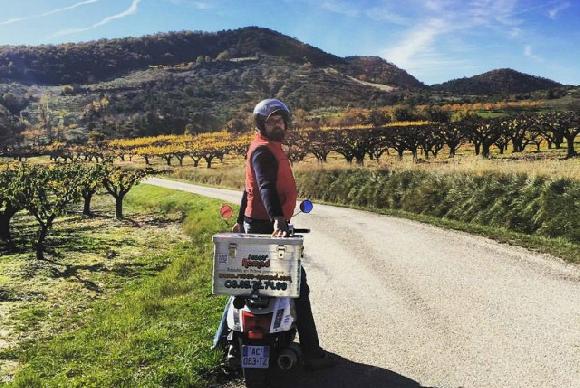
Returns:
(530, 54)
(515, 32)
(48, 13)
(418, 40)
(450, 22)
(553, 12)
(129, 11)
(340, 7)
(387, 15)
(201, 5)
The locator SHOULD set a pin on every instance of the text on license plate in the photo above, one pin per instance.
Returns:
(255, 356)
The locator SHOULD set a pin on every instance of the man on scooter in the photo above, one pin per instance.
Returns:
(268, 203)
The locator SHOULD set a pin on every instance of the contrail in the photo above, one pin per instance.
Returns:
(48, 13)
(129, 11)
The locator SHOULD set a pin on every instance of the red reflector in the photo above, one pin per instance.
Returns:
(255, 334)
(256, 325)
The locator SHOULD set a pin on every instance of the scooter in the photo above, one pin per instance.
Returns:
(262, 327)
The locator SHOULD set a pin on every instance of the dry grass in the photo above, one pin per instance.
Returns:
(549, 163)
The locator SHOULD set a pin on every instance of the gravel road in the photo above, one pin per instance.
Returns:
(405, 304)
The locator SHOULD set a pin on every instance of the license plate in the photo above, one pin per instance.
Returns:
(255, 356)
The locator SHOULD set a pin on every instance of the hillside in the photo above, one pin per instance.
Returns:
(165, 99)
(97, 61)
(378, 71)
(161, 83)
(498, 81)
(165, 83)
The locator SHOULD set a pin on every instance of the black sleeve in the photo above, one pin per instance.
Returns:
(243, 205)
(265, 167)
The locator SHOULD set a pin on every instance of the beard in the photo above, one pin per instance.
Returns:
(278, 134)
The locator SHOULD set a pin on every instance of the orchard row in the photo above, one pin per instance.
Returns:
(354, 143)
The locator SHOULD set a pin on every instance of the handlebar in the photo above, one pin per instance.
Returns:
(301, 230)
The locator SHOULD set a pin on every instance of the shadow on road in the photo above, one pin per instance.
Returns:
(345, 374)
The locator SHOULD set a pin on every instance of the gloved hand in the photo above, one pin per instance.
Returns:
(280, 227)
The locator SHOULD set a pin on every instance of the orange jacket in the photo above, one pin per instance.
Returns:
(285, 183)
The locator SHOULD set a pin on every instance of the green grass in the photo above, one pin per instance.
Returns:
(153, 332)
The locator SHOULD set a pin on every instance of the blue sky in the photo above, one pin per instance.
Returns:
(433, 40)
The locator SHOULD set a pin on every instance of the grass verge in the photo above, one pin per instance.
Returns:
(156, 332)
(538, 213)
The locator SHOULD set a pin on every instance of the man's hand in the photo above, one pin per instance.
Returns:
(280, 227)
(238, 228)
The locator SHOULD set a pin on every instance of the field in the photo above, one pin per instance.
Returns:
(508, 198)
(98, 311)
(548, 162)
(128, 302)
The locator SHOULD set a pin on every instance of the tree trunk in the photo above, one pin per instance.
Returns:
(570, 152)
(477, 148)
(119, 206)
(87, 205)
(414, 152)
(42, 233)
(5, 223)
(4, 227)
(146, 159)
(485, 150)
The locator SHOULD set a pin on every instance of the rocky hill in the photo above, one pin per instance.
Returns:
(167, 82)
(378, 71)
(161, 83)
(498, 81)
(106, 59)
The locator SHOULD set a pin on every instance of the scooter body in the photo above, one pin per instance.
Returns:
(262, 329)
(260, 316)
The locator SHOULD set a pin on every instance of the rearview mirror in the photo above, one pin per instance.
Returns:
(226, 212)
(306, 206)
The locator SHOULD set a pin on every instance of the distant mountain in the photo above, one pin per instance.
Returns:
(167, 82)
(161, 83)
(106, 59)
(498, 81)
(378, 71)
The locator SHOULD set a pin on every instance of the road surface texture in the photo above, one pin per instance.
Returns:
(404, 304)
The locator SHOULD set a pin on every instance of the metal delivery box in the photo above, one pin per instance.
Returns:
(244, 262)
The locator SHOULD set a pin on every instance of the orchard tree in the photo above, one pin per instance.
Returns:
(318, 143)
(12, 198)
(118, 182)
(90, 180)
(518, 130)
(453, 135)
(48, 191)
(484, 134)
(567, 125)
